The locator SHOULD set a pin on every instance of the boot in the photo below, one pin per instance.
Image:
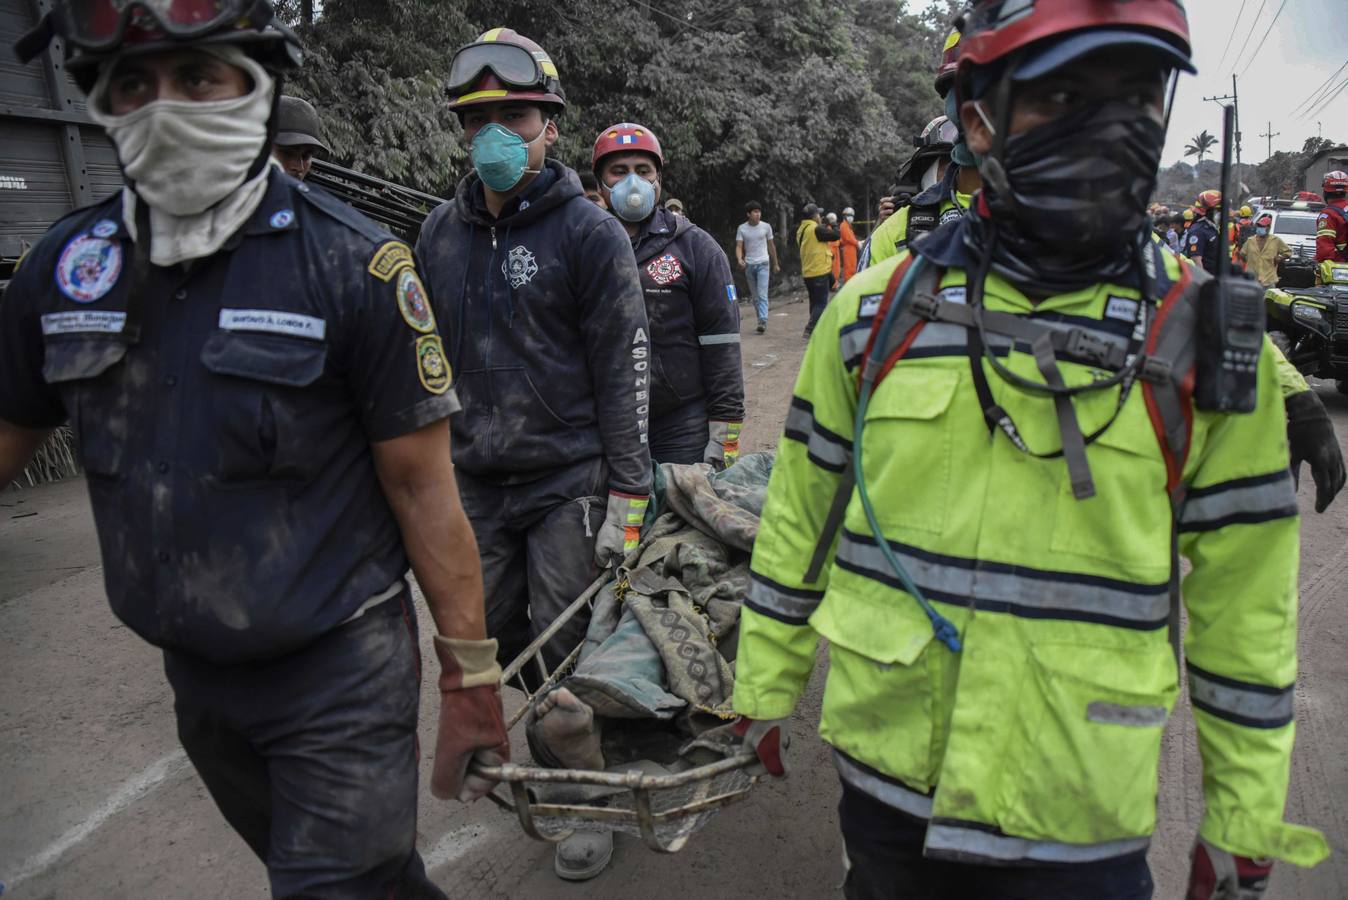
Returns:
(583, 855)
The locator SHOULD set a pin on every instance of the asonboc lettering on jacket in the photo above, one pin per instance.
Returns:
(641, 364)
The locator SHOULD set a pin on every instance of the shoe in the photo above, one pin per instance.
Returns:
(583, 855)
(762, 326)
(806, 335)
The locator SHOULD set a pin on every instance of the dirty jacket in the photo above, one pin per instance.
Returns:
(1039, 740)
(694, 316)
(227, 449)
(551, 356)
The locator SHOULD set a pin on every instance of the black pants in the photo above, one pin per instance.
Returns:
(312, 758)
(536, 543)
(817, 287)
(884, 849)
(680, 435)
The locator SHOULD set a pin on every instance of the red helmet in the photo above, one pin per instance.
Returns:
(1335, 182)
(1208, 201)
(950, 61)
(502, 65)
(1065, 30)
(626, 137)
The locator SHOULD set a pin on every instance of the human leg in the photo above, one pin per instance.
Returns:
(500, 548)
(884, 854)
(817, 287)
(757, 274)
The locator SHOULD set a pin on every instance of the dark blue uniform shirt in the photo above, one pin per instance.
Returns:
(228, 448)
(1202, 243)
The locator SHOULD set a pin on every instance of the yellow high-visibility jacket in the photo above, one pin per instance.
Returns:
(1040, 739)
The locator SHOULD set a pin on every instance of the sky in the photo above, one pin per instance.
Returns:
(1307, 43)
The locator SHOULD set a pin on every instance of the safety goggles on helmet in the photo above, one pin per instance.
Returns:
(512, 64)
(938, 131)
(102, 24)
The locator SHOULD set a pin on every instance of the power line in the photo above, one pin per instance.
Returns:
(1234, 26)
(1267, 31)
(1253, 25)
(1319, 92)
(1321, 107)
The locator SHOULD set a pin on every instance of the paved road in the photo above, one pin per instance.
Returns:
(98, 800)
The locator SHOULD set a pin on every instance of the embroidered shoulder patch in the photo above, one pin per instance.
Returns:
(432, 367)
(388, 259)
(88, 268)
(412, 302)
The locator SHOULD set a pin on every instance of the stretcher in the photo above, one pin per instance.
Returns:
(663, 809)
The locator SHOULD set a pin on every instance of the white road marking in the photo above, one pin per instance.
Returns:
(132, 790)
(454, 845)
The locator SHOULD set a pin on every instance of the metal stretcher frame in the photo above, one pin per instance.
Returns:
(642, 786)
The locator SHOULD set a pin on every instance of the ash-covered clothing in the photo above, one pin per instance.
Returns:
(755, 240)
(694, 320)
(551, 356)
(225, 425)
(1202, 242)
(330, 807)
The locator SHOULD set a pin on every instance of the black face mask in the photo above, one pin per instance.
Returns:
(1070, 197)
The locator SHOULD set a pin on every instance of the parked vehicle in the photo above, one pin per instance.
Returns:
(1294, 222)
(1310, 326)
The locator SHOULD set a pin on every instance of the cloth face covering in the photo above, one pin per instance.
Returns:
(181, 157)
(633, 198)
(501, 157)
(1078, 195)
(190, 162)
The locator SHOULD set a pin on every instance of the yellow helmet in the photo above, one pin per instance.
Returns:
(1246, 211)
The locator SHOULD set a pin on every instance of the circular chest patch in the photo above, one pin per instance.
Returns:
(412, 302)
(105, 228)
(88, 268)
(665, 269)
(282, 218)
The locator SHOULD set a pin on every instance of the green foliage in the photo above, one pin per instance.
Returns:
(750, 100)
(1200, 145)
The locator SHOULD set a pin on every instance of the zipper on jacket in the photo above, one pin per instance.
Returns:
(493, 237)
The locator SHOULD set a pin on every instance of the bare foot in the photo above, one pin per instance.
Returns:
(568, 728)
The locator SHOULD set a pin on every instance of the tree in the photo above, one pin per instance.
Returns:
(1199, 145)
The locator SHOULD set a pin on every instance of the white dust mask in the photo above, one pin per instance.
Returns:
(183, 157)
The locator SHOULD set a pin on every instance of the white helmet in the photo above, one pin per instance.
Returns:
(832, 217)
(849, 211)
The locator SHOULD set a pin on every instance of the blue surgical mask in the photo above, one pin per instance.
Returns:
(960, 154)
(501, 157)
(632, 198)
(1260, 230)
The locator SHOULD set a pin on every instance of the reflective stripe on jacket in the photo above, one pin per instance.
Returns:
(1040, 740)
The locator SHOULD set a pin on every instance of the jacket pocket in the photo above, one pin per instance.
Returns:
(1087, 742)
(519, 400)
(259, 405)
(907, 446)
(1123, 524)
(95, 399)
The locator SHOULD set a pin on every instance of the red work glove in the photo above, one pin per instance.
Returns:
(1218, 875)
(472, 726)
(769, 740)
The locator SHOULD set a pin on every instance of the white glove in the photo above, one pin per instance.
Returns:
(723, 443)
(621, 531)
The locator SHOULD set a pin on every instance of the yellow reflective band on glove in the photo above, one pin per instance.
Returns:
(723, 443)
(621, 532)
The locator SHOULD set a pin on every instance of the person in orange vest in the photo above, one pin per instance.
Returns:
(848, 244)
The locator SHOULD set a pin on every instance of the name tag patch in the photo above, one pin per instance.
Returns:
(83, 321)
(274, 321)
(870, 305)
(1121, 308)
(954, 294)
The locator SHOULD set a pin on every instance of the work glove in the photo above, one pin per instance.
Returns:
(769, 740)
(621, 531)
(723, 444)
(1311, 439)
(472, 726)
(1218, 875)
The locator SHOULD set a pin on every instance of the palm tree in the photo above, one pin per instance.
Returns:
(1199, 145)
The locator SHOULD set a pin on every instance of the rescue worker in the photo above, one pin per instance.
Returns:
(848, 244)
(552, 352)
(949, 196)
(835, 252)
(998, 595)
(1203, 240)
(1244, 225)
(1331, 226)
(551, 347)
(675, 205)
(297, 139)
(697, 383)
(816, 263)
(259, 391)
(1262, 253)
(590, 185)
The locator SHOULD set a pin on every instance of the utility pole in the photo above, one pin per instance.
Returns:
(1235, 103)
(1270, 134)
